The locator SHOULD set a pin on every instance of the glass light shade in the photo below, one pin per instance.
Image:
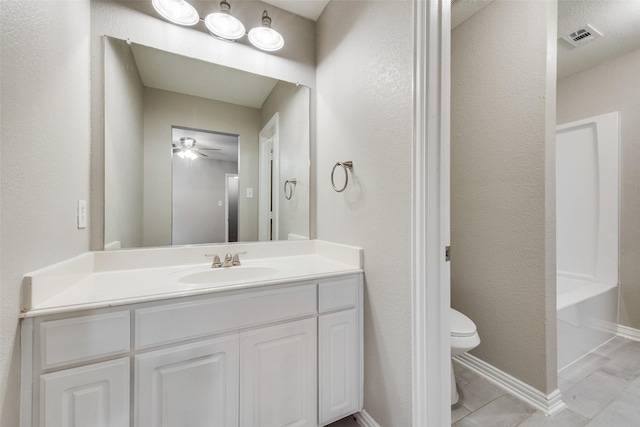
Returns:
(177, 11)
(265, 37)
(222, 24)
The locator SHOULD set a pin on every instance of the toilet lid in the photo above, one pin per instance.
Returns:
(461, 325)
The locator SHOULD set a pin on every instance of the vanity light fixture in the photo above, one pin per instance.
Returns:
(177, 11)
(221, 24)
(265, 37)
(224, 25)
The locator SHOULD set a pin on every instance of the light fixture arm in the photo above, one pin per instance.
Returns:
(266, 19)
(225, 7)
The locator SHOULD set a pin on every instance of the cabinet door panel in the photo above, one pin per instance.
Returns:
(278, 384)
(191, 385)
(91, 396)
(338, 365)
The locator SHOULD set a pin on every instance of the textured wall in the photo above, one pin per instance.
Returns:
(615, 86)
(44, 156)
(124, 148)
(502, 192)
(164, 109)
(364, 114)
(292, 102)
(198, 186)
(136, 20)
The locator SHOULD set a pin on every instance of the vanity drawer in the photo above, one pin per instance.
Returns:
(176, 322)
(338, 294)
(84, 338)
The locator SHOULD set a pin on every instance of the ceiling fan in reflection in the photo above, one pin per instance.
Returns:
(188, 150)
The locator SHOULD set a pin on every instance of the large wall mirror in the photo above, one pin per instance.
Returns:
(199, 153)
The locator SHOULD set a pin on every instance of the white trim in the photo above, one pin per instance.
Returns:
(549, 404)
(430, 273)
(629, 333)
(268, 197)
(365, 420)
(26, 372)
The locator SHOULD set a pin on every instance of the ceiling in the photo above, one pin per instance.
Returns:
(175, 73)
(617, 20)
(310, 9)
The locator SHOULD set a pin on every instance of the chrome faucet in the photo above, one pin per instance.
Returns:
(228, 260)
(216, 260)
(236, 258)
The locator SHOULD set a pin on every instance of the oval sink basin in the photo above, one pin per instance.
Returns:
(231, 274)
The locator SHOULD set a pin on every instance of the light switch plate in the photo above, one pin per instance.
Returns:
(249, 193)
(82, 214)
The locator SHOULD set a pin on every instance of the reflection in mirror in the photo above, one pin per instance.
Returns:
(156, 193)
(204, 179)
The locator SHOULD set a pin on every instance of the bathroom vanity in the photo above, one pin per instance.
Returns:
(156, 337)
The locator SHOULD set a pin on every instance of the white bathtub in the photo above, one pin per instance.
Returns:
(587, 317)
(587, 175)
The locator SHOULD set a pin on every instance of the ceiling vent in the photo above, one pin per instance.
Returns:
(582, 36)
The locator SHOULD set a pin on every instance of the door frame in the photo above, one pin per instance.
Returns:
(269, 177)
(430, 272)
(226, 206)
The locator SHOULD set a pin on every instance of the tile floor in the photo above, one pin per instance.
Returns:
(350, 421)
(600, 390)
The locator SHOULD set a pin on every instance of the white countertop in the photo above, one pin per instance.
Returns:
(104, 279)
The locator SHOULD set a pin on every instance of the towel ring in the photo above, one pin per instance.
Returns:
(292, 186)
(345, 166)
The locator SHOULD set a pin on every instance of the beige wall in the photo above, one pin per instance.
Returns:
(292, 102)
(124, 147)
(44, 156)
(164, 109)
(615, 86)
(364, 114)
(502, 185)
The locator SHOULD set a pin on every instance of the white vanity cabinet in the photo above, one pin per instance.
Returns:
(189, 385)
(279, 376)
(266, 356)
(96, 395)
(340, 344)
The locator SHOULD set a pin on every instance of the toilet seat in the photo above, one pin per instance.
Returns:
(461, 325)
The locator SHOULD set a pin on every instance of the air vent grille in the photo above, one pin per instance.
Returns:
(582, 36)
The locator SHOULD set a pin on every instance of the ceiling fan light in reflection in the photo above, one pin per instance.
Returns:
(224, 25)
(265, 37)
(177, 11)
(187, 154)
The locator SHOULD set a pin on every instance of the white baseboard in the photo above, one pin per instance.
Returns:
(550, 404)
(365, 420)
(629, 333)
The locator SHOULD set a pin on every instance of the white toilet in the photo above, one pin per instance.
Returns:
(464, 337)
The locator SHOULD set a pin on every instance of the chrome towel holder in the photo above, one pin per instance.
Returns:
(345, 166)
(288, 189)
